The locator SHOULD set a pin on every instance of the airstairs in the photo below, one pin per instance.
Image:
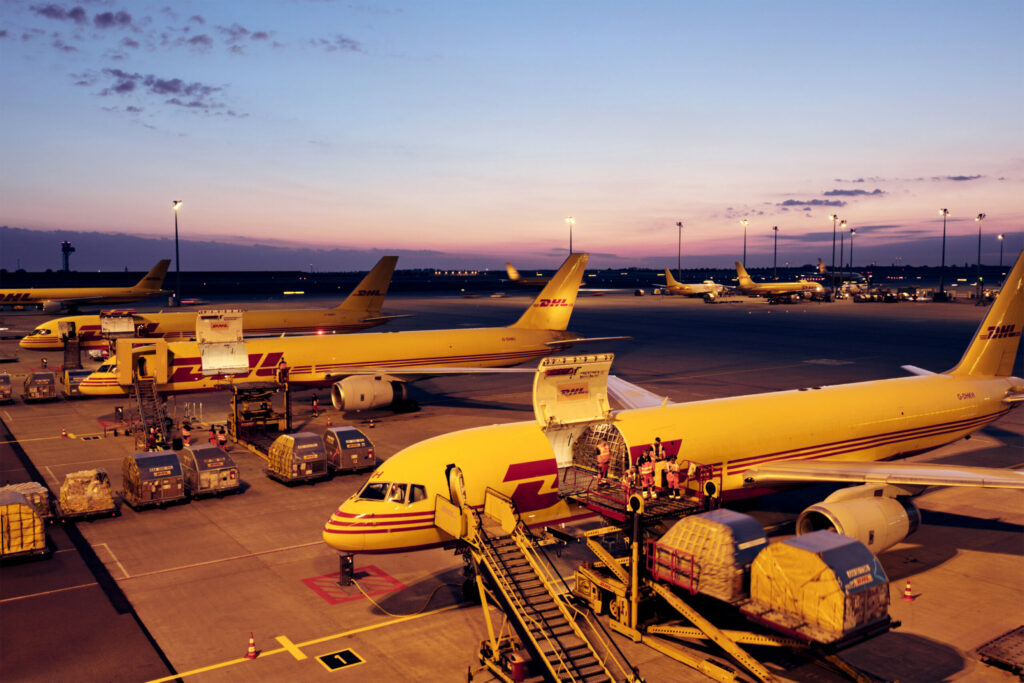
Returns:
(566, 642)
(150, 411)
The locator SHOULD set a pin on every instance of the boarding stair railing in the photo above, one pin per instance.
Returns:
(150, 411)
(548, 623)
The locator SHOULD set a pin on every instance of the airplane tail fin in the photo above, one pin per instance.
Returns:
(669, 280)
(370, 292)
(513, 274)
(994, 348)
(821, 267)
(741, 275)
(552, 309)
(154, 279)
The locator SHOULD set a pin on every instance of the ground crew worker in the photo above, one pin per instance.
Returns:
(647, 474)
(316, 406)
(672, 477)
(213, 436)
(222, 440)
(158, 440)
(604, 459)
(151, 439)
(186, 433)
(282, 371)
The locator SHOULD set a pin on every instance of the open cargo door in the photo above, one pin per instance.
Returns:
(221, 348)
(117, 324)
(569, 393)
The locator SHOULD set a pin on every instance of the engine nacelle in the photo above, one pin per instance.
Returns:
(52, 306)
(363, 393)
(873, 514)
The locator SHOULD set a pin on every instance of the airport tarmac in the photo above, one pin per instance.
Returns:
(201, 576)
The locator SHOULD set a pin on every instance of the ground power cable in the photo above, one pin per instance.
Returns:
(419, 611)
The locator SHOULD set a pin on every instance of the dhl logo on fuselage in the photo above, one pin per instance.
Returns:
(533, 476)
(551, 303)
(190, 369)
(1000, 332)
(17, 296)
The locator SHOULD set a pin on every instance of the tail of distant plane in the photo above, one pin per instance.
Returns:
(821, 266)
(552, 309)
(741, 276)
(513, 274)
(370, 292)
(994, 348)
(154, 279)
(669, 280)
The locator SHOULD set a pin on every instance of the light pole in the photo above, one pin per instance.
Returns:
(1000, 236)
(980, 217)
(942, 272)
(833, 218)
(745, 223)
(176, 204)
(775, 254)
(842, 270)
(679, 262)
(853, 231)
(570, 220)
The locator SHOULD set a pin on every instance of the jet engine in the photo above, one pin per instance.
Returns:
(52, 307)
(363, 392)
(877, 515)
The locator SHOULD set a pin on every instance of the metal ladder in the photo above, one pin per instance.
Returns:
(150, 411)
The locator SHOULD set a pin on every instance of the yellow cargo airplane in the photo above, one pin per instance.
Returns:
(359, 311)
(706, 288)
(515, 277)
(843, 433)
(363, 370)
(776, 291)
(55, 299)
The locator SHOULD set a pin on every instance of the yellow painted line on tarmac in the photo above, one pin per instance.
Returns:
(290, 646)
(56, 590)
(224, 559)
(315, 641)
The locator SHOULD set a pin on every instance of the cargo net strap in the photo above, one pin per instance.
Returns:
(585, 449)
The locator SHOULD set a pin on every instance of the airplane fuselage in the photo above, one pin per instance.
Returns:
(861, 422)
(322, 360)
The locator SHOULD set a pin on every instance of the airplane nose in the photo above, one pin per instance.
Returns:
(340, 535)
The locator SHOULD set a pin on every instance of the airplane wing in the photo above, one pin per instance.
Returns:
(630, 395)
(914, 370)
(920, 474)
(406, 373)
(384, 318)
(585, 340)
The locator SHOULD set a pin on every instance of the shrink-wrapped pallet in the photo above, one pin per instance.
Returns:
(85, 492)
(709, 553)
(21, 529)
(36, 493)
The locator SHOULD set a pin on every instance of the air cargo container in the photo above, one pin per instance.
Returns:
(152, 479)
(297, 457)
(208, 470)
(348, 450)
(21, 529)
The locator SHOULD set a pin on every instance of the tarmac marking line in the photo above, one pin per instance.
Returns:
(114, 558)
(315, 641)
(55, 590)
(291, 647)
(224, 559)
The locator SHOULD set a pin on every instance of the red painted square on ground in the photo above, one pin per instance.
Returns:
(374, 582)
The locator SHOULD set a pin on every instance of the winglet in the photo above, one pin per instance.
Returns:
(370, 292)
(993, 350)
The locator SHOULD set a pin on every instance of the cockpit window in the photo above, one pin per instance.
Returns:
(41, 331)
(374, 491)
(417, 493)
(397, 493)
(107, 367)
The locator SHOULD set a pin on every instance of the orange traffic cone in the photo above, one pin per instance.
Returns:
(252, 653)
(63, 433)
(908, 595)
(328, 420)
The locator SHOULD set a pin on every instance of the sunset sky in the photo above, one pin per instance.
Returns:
(476, 128)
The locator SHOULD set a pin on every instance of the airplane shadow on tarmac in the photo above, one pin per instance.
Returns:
(432, 592)
(897, 656)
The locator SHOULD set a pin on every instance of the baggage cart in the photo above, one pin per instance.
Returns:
(40, 386)
(297, 457)
(208, 470)
(348, 450)
(21, 530)
(152, 479)
(6, 396)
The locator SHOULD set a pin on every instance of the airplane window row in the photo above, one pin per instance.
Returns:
(393, 493)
